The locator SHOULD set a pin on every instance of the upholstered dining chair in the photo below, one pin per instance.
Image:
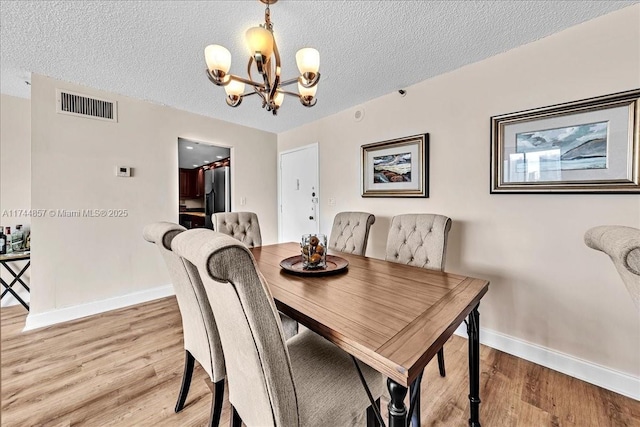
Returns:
(622, 244)
(419, 240)
(201, 339)
(303, 381)
(243, 226)
(350, 232)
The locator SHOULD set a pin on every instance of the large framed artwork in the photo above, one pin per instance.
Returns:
(586, 146)
(396, 168)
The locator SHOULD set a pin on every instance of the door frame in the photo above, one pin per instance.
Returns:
(280, 154)
(232, 173)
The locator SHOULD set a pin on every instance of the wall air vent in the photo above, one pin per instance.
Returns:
(78, 104)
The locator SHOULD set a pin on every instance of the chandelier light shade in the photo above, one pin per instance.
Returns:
(259, 40)
(308, 60)
(218, 58)
(307, 91)
(265, 59)
(234, 88)
(278, 98)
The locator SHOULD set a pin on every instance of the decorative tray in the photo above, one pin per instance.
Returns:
(335, 264)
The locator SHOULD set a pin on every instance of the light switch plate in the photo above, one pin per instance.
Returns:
(123, 171)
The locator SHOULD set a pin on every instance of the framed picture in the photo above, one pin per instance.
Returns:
(586, 146)
(396, 168)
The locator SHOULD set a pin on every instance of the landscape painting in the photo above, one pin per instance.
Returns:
(576, 147)
(392, 168)
(396, 168)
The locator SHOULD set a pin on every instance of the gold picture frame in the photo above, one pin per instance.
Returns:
(585, 146)
(396, 168)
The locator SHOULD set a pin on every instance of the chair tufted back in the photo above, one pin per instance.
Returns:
(261, 382)
(622, 244)
(200, 332)
(350, 232)
(243, 226)
(419, 240)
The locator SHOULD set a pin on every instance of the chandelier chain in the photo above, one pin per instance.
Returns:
(267, 18)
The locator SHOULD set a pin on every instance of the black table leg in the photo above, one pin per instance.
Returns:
(414, 403)
(397, 408)
(473, 329)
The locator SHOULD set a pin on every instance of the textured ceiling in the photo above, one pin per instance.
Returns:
(153, 50)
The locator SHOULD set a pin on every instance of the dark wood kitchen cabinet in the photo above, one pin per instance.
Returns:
(199, 182)
(183, 179)
(191, 183)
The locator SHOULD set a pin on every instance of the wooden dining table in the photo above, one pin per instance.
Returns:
(391, 316)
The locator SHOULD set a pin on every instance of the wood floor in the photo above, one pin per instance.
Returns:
(123, 368)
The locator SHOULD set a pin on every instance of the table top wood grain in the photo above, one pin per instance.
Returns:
(391, 316)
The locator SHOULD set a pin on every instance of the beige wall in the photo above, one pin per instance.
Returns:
(547, 287)
(81, 260)
(15, 173)
(15, 157)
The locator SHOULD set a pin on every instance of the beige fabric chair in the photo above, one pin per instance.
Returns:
(622, 244)
(305, 381)
(243, 226)
(350, 232)
(419, 240)
(201, 339)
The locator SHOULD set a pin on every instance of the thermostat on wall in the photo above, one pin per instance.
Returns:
(123, 171)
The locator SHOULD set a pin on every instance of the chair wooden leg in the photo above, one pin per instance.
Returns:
(236, 421)
(216, 403)
(441, 362)
(372, 420)
(186, 380)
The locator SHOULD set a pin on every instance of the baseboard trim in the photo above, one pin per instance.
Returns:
(610, 379)
(48, 318)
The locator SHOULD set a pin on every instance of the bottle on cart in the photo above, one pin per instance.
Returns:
(17, 239)
(7, 239)
(27, 238)
(3, 242)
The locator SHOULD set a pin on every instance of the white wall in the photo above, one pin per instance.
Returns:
(547, 288)
(15, 176)
(84, 261)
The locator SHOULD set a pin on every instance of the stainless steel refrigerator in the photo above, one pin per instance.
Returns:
(217, 193)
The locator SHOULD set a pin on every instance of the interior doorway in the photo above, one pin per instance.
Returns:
(204, 176)
(299, 193)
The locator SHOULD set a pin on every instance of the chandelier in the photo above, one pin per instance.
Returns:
(265, 55)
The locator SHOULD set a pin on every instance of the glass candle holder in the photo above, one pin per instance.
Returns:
(314, 251)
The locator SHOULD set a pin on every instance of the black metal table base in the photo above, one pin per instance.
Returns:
(398, 414)
(397, 409)
(473, 330)
(17, 278)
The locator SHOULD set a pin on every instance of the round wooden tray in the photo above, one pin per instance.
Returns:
(293, 265)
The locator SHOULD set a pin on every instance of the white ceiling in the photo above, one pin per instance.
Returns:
(153, 50)
(193, 154)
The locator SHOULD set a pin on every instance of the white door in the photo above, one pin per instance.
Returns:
(299, 193)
